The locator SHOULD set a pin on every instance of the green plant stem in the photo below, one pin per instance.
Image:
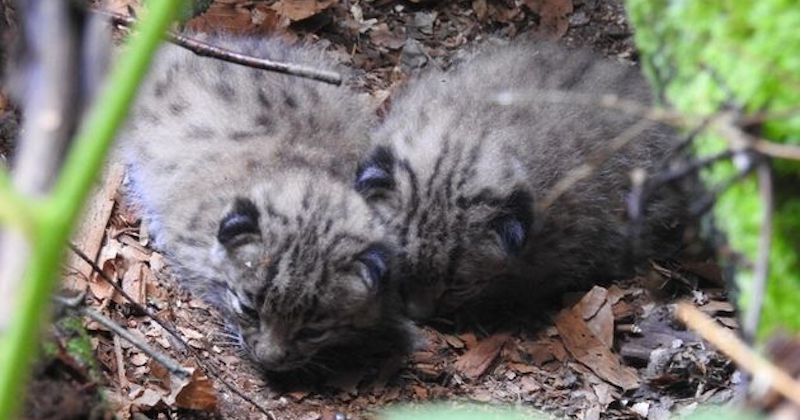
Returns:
(15, 210)
(57, 216)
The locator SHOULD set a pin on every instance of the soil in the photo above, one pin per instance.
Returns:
(612, 352)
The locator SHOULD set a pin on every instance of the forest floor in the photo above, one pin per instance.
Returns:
(613, 352)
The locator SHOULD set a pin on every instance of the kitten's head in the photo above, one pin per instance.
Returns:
(306, 267)
(460, 215)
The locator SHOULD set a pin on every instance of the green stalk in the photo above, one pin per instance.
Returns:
(14, 208)
(56, 217)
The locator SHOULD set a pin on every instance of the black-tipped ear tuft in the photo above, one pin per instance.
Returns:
(376, 259)
(375, 173)
(241, 220)
(514, 221)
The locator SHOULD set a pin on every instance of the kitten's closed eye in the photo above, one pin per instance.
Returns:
(242, 307)
(240, 222)
(375, 264)
(514, 222)
(375, 173)
(310, 334)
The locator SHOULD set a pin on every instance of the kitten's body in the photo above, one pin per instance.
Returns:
(245, 177)
(464, 158)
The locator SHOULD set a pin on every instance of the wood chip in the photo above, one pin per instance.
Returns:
(89, 236)
(475, 361)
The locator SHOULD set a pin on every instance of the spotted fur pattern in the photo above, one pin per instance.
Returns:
(245, 178)
(464, 157)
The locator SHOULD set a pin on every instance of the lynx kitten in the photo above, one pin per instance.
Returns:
(245, 177)
(465, 156)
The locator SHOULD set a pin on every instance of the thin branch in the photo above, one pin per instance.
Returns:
(204, 49)
(141, 309)
(607, 101)
(776, 150)
(723, 339)
(761, 270)
(171, 364)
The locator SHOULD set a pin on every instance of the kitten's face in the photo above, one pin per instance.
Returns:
(455, 232)
(305, 268)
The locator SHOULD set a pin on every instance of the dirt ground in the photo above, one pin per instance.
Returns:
(613, 352)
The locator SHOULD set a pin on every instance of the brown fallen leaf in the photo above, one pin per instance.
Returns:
(590, 351)
(382, 36)
(481, 9)
(475, 361)
(553, 16)
(300, 9)
(596, 311)
(238, 17)
(133, 283)
(196, 394)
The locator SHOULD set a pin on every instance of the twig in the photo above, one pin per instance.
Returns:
(586, 169)
(204, 49)
(777, 150)
(171, 331)
(123, 380)
(723, 339)
(169, 363)
(47, 99)
(761, 269)
(607, 101)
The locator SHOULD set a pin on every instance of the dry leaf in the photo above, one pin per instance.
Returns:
(553, 16)
(382, 36)
(596, 311)
(481, 9)
(584, 346)
(197, 393)
(474, 362)
(300, 9)
(238, 18)
(133, 284)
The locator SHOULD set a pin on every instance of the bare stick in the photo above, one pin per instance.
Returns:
(782, 151)
(761, 269)
(607, 101)
(197, 356)
(723, 339)
(207, 50)
(49, 109)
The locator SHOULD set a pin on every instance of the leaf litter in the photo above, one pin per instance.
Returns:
(586, 360)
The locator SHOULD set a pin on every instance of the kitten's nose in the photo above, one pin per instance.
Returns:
(271, 356)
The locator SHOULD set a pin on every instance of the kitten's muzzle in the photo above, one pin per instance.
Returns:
(276, 358)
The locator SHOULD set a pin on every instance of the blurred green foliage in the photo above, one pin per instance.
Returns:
(706, 56)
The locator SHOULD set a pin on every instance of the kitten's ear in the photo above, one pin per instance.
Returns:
(376, 173)
(240, 224)
(375, 261)
(514, 221)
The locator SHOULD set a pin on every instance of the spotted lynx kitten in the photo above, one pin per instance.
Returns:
(245, 177)
(464, 157)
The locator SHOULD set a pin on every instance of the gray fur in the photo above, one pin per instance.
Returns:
(204, 134)
(470, 152)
